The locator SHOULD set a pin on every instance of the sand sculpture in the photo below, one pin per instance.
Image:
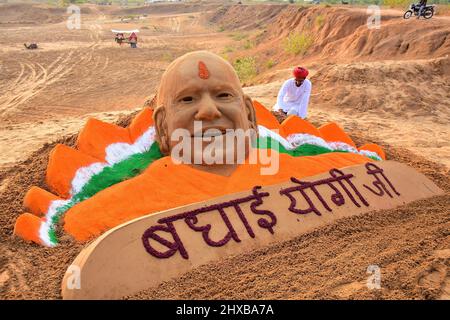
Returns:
(117, 174)
(153, 219)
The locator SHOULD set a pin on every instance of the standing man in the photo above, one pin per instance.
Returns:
(133, 40)
(293, 97)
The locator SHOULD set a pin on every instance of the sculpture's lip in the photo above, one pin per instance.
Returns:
(211, 132)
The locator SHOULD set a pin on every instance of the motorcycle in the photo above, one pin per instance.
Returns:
(427, 12)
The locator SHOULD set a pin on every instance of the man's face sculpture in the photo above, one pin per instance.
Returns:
(201, 86)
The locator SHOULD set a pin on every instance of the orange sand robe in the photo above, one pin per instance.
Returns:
(165, 185)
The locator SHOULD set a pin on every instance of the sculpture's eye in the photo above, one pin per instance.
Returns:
(224, 95)
(187, 99)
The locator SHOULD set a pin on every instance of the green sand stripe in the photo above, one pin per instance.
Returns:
(301, 151)
(109, 176)
(124, 170)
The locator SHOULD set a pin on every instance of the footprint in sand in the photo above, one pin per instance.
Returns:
(437, 277)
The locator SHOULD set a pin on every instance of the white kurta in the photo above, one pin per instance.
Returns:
(295, 98)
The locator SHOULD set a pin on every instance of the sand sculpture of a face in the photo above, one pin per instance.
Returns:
(201, 86)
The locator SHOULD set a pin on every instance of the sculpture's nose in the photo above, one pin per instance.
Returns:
(207, 109)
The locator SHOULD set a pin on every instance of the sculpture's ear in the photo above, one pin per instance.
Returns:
(251, 113)
(162, 136)
(152, 103)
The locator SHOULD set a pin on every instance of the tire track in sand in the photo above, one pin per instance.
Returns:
(34, 77)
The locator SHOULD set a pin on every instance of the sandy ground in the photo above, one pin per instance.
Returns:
(74, 73)
(391, 110)
(382, 87)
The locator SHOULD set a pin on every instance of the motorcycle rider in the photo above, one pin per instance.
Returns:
(422, 5)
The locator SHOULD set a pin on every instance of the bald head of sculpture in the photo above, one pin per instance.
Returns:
(200, 86)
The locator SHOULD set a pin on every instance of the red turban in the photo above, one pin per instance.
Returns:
(300, 72)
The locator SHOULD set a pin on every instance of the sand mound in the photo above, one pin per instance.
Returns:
(410, 244)
(343, 32)
(24, 13)
(245, 17)
(336, 33)
(403, 103)
(410, 88)
(29, 271)
(166, 8)
(402, 241)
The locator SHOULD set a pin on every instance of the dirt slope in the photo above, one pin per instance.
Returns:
(169, 8)
(344, 33)
(403, 103)
(400, 88)
(337, 34)
(26, 13)
(246, 17)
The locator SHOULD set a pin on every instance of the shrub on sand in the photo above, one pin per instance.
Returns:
(397, 3)
(270, 63)
(248, 45)
(298, 42)
(319, 21)
(228, 49)
(245, 68)
(238, 36)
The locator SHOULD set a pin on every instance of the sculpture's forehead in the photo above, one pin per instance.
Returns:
(197, 70)
(204, 71)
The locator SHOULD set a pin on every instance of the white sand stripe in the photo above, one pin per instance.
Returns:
(293, 141)
(267, 133)
(115, 153)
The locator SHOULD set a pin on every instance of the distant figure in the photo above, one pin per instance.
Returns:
(293, 97)
(31, 46)
(119, 38)
(133, 40)
(422, 5)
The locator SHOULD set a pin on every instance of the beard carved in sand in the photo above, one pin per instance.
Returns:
(118, 174)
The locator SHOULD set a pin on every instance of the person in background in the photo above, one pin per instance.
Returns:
(119, 38)
(293, 97)
(133, 40)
